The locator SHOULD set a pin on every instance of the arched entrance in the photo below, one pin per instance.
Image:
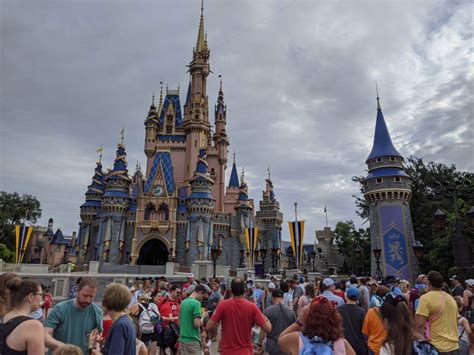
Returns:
(153, 252)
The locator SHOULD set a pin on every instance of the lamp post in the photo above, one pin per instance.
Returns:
(419, 251)
(377, 254)
(263, 254)
(313, 257)
(215, 252)
(242, 257)
(274, 256)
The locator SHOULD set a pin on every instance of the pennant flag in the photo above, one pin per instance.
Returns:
(251, 236)
(22, 238)
(297, 238)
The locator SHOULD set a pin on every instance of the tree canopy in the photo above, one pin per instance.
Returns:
(16, 209)
(434, 186)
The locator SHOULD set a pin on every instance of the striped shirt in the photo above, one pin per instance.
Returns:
(332, 297)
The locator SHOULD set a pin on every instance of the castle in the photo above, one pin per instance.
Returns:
(182, 207)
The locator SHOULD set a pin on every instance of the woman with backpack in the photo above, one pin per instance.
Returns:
(148, 316)
(318, 330)
(20, 334)
(398, 321)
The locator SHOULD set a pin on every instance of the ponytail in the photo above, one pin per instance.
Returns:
(19, 289)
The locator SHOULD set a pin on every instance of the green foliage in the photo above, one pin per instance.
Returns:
(434, 186)
(354, 245)
(6, 254)
(16, 209)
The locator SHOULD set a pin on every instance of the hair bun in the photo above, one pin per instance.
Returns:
(14, 284)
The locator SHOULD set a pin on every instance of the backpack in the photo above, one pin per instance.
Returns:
(7, 328)
(169, 336)
(414, 295)
(315, 346)
(422, 347)
(147, 320)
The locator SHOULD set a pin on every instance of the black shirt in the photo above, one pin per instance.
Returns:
(352, 322)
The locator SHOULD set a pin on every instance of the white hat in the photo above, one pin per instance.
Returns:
(470, 282)
(328, 282)
(271, 286)
(191, 275)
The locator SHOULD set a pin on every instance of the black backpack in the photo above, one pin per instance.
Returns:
(169, 336)
(7, 328)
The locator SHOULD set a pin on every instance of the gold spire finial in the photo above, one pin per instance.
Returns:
(99, 150)
(234, 156)
(161, 95)
(201, 41)
(269, 174)
(378, 99)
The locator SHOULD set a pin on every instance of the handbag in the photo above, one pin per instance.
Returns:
(435, 316)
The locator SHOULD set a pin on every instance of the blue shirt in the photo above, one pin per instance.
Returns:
(121, 338)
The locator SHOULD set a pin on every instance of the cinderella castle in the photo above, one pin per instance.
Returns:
(182, 207)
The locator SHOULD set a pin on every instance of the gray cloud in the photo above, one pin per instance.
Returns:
(298, 81)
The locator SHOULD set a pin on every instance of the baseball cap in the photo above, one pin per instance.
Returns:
(271, 286)
(352, 293)
(191, 276)
(277, 293)
(455, 277)
(470, 282)
(328, 282)
(373, 282)
(301, 280)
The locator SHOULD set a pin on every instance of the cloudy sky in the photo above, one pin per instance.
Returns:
(298, 79)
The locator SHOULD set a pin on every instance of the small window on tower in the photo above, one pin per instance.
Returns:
(169, 129)
(393, 159)
(397, 179)
(195, 144)
(379, 181)
(379, 160)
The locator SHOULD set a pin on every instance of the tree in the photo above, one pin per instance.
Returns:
(354, 245)
(6, 254)
(16, 209)
(432, 186)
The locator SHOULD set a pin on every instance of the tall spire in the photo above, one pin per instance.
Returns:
(383, 145)
(160, 104)
(378, 99)
(201, 44)
(234, 176)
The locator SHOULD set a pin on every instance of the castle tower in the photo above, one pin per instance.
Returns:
(233, 190)
(387, 190)
(151, 130)
(89, 211)
(196, 112)
(269, 219)
(221, 142)
(115, 205)
(200, 206)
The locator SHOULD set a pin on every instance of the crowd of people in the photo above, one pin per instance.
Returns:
(296, 316)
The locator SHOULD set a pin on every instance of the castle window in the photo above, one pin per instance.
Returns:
(163, 212)
(195, 143)
(379, 181)
(379, 160)
(149, 210)
(169, 129)
(397, 179)
(393, 159)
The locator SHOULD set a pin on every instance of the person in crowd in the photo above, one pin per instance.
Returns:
(135, 289)
(338, 288)
(68, 350)
(328, 291)
(353, 320)
(258, 295)
(464, 331)
(140, 347)
(5, 293)
(317, 329)
(148, 331)
(147, 289)
(364, 294)
(248, 294)
(441, 311)
(372, 285)
(169, 307)
(267, 295)
(71, 321)
(237, 316)
(397, 319)
(73, 292)
(373, 327)
(306, 299)
(281, 317)
(190, 281)
(287, 297)
(467, 296)
(48, 301)
(298, 291)
(404, 286)
(23, 335)
(456, 283)
(215, 297)
(191, 319)
(122, 334)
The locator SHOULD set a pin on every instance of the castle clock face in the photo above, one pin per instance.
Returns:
(158, 190)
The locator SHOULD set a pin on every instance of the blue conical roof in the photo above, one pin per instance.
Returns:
(383, 145)
(59, 238)
(234, 177)
(188, 94)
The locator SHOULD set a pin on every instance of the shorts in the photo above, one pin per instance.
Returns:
(191, 348)
(147, 338)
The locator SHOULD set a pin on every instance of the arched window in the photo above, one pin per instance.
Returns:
(149, 210)
(163, 212)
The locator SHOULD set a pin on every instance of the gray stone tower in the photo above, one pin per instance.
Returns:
(387, 190)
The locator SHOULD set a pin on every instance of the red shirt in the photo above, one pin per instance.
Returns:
(169, 308)
(340, 293)
(238, 317)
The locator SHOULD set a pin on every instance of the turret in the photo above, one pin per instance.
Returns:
(221, 140)
(243, 203)
(200, 200)
(94, 194)
(151, 127)
(388, 192)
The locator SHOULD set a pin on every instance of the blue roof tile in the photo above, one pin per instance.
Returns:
(234, 177)
(383, 145)
(162, 159)
(174, 99)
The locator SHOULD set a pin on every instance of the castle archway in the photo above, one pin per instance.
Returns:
(153, 252)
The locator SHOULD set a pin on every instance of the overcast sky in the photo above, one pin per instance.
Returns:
(299, 83)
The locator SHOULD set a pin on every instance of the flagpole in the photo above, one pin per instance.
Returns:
(326, 213)
(296, 237)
